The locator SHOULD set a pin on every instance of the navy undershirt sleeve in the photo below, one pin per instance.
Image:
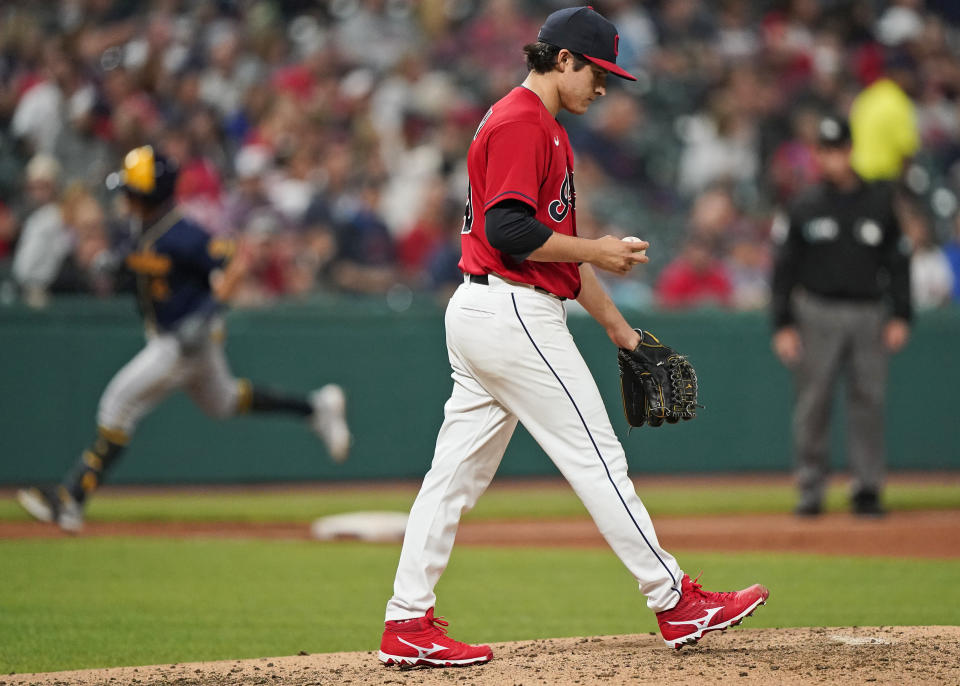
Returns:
(512, 228)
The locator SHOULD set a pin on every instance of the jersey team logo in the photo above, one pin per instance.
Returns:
(561, 207)
(468, 213)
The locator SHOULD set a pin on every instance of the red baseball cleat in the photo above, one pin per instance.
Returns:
(700, 611)
(424, 641)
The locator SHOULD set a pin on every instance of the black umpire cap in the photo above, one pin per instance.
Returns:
(833, 132)
(584, 31)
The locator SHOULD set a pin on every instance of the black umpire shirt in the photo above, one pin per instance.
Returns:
(842, 245)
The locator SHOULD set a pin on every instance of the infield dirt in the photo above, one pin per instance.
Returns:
(844, 655)
(930, 534)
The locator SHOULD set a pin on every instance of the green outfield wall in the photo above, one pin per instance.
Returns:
(56, 362)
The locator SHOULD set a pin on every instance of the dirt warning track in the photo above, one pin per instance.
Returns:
(927, 534)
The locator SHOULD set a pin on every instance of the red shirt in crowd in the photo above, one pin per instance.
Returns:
(681, 284)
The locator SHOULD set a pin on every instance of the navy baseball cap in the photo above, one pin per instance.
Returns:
(583, 30)
(833, 132)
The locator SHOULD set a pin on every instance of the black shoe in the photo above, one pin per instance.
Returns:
(867, 504)
(808, 509)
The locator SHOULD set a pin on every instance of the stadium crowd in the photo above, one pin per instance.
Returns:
(332, 136)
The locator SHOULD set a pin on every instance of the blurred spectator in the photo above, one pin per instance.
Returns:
(899, 23)
(385, 95)
(82, 154)
(685, 22)
(199, 186)
(134, 115)
(638, 34)
(8, 233)
(442, 263)
(883, 122)
(748, 264)
(720, 145)
(716, 218)
(365, 251)
(229, 71)
(616, 141)
(788, 32)
(931, 277)
(44, 241)
(248, 195)
(39, 116)
(280, 265)
(696, 278)
(375, 33)
(412, 167)
(737, 35)
(428, 233)
(86, 268)
(952, 252)
(293, 185)
(496, 35)
(793, 166)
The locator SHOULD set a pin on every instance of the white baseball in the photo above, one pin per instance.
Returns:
(634, 239)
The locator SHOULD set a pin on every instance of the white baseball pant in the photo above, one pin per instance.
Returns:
(161, 368)
(513, 358)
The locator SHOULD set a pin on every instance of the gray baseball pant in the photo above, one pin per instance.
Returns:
(840, 338)
(162, 368)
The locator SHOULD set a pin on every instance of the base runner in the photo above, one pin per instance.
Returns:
(514, 359)
(183, 277)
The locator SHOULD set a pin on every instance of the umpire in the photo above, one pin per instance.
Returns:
(841, 305)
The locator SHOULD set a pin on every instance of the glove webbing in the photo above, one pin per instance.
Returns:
(683, 382)
(683, 388)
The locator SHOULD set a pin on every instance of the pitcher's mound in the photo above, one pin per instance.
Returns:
(845, 655)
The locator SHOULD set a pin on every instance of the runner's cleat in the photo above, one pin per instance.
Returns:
(424, 641)
(48, 506)
(699, 611)
(329, 420)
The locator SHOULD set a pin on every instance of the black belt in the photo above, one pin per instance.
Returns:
(484, 280)
(846, 297)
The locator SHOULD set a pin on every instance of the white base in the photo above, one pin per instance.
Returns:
(383, 527)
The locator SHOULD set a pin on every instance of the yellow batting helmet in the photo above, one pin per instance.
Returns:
(146, 174)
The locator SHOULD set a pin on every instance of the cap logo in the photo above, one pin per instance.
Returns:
(584, 31)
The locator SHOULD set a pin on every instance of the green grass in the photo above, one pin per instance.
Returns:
(500, 502)
(73, 603)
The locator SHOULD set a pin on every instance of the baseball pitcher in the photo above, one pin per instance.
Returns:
(514, 360)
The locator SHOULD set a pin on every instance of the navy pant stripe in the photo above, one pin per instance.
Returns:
(595, 447)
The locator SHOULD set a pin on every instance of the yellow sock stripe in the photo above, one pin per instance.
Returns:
(92, 460)
(115, 436)
(244, 396)
(89, 482)
(64, 495)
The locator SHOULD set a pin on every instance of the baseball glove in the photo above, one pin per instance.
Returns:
(657, 384)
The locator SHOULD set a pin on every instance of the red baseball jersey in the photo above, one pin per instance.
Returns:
(520, 152)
